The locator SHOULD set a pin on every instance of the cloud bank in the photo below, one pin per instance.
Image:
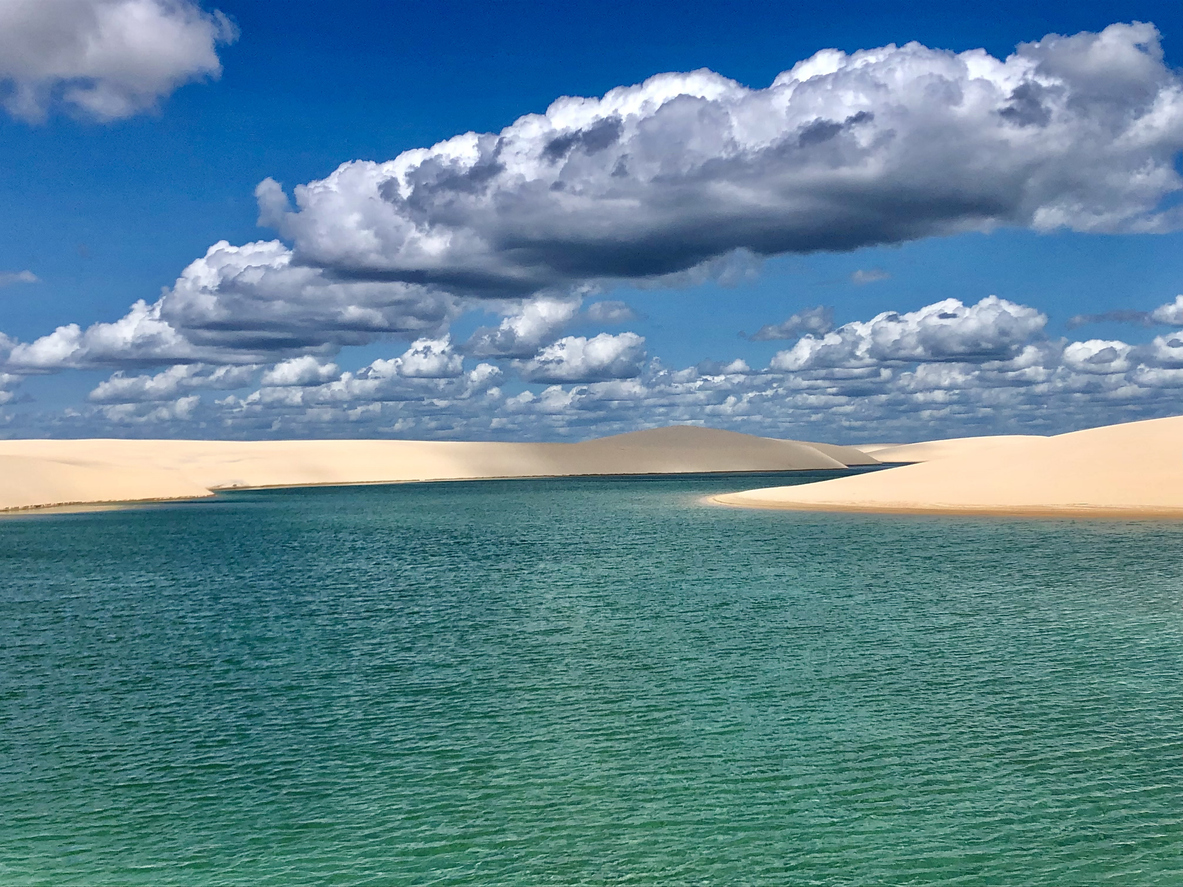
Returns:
(841, 151)
(946, 368)
(104, 59)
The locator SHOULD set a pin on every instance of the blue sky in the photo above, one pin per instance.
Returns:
(107, 204)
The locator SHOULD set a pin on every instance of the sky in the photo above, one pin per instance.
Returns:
(532, 221)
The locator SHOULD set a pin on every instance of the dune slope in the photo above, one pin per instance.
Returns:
(1129, 470)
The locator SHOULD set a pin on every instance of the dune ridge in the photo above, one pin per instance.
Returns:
(1132, 470)
(48, 473)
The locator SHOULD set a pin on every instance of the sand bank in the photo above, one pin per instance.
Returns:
(1133, 470)
(40, 473)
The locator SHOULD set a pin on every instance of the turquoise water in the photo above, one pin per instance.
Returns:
(585, 681)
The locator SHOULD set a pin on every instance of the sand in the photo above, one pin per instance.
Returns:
(47, 473)
(931, 450)
(1134, 470)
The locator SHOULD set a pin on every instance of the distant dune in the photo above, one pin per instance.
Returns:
(40, 473)
(1131, 470)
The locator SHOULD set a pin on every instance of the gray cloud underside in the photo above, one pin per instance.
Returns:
(812, 321)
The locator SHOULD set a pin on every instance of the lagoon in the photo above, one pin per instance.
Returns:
(586, 681)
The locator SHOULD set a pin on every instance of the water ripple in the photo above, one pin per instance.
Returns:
(559, 682)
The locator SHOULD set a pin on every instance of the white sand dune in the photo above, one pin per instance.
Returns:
(1130, 470)
(40, 473)
(931, 450)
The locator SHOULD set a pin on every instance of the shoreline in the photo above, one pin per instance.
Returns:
(1131, 471)
(1068, 512)
(119, 504)
(37, 476)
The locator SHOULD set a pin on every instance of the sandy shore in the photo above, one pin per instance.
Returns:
(44, 473)
(1133, 470)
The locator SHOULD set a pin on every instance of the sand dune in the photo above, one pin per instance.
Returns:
(38, 473)
(1130, 470)
(931, 450)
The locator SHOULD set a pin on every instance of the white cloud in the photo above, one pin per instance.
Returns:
(166, 385)
(8, 278)
(180, 411)
(1098, 356)
(815, 321)
(302, 371)
(868, 275)
(880, 146)
(611, 313)
(138, 337)
(993, 329)
(1165, 351)
(8, 384)
(240, 305)
(1170, 313)
(661, 183)
(919, 374)
(579, 359)
(107, 59)
(536, 323)
(425, 359)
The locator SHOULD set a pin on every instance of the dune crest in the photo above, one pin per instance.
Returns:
(1130, 470)
(41, 473)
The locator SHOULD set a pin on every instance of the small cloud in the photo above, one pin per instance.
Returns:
(737, 367)
(579, 359)
(300, 372)
(8, 278)
(815, 321)
(868, 275)
(611, 312)
(1170, 313)
(1138, 318)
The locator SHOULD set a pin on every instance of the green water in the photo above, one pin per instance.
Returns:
(586, 681)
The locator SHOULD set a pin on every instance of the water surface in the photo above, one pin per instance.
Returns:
(586, 681)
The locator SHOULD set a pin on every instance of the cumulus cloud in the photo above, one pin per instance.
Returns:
(1098, 356)
(425, 359)
(579, 359)
(993, 329)
(610, 312)
(682, 177)
(536, 323)
(919, 374)
(168, 384)
(141, 336)
(303, 370)
(812, 321)
(179, 411)
(1170, 313)
(841, 151)
(106, 59)
(239, 305)
(739, 366)
(8, 278)
(8, 384)
(1165, 351)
